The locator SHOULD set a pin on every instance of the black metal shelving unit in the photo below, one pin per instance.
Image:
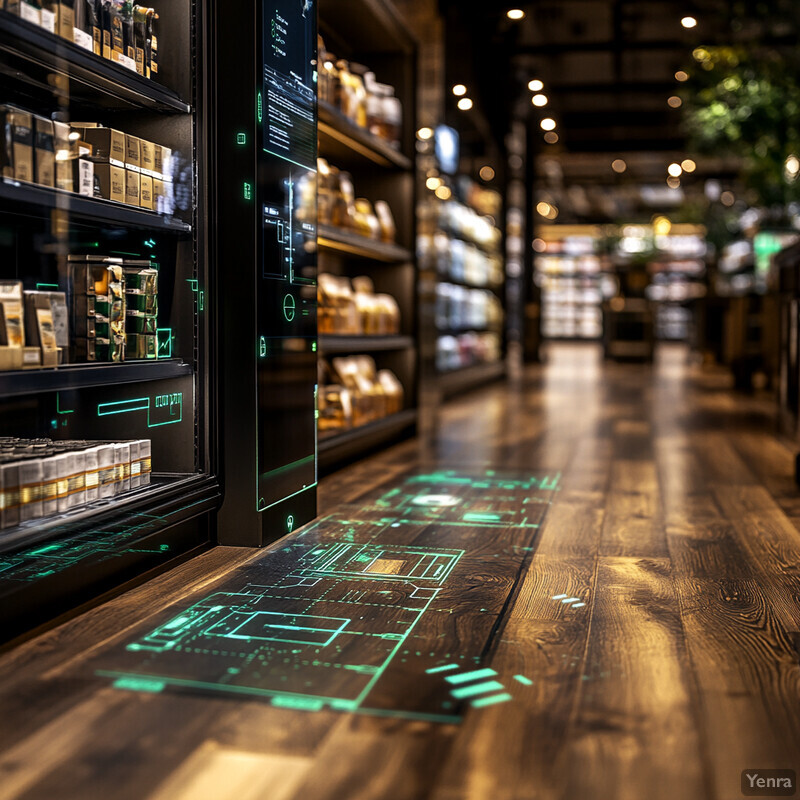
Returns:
(55, 563)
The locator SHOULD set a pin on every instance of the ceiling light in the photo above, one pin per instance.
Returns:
(674, 170)
(674, 101)
(792, 167)
(433, 183)
(546, 210)
(486, 173)
(515, 13)
(681, 76)
(547, 124)
(535, 85)
(539, 245)
(551, 137)
(443, 192)
(539, 100)
(459, 90)
(465, 104)
(673, 183)
(425, 133)
(727, 199)
(687, 165)
(618, 165)
(689, 22)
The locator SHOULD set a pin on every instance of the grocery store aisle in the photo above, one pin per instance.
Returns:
(646, 633)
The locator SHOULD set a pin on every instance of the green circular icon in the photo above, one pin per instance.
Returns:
(289, 307)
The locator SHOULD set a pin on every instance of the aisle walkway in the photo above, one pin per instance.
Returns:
(642, 643)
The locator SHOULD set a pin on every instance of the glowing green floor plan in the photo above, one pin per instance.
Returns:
(360, 610)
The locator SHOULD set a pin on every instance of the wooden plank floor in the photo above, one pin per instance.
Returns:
(676, 523)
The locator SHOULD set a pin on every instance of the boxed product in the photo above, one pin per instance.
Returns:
(66, 19)
(148, 157)
(9, 486)
(110, 181)
(146, 199)
(12, 329)
(30, 489)
(30, 11)
(108, 145)
(40, 326)
(16, 153)
(132, 187)
(133, 152)
(45, 157)
(49, 15)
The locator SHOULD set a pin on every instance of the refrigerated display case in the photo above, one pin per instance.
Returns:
(106, 448)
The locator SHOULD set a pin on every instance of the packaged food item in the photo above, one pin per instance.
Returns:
(108, 145)
(40, 328)
(31, 11)
(111, 181)
(132, 187)
(364, 220)
(388, 228)
(12, 326)
(63, 167)
(66, 19)
(133, 152)
(16, 153)
(48, 15)
(45, 157)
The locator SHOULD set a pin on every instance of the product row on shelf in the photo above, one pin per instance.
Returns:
(354, 392)
(338, 206)
(353, 89)
(351, 307)
(103, 309)
(117, 30)
(86, 159)
(460, 261)
(460, 221)
(467, 350)
(459, 308)
(40, 478)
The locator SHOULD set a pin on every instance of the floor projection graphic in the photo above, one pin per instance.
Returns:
(360, 611)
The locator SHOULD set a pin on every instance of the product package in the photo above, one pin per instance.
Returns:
(45, 157)
(63, 166)
(16, 152)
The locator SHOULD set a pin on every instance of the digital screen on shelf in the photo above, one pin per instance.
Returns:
(287, 293)
(290, 81)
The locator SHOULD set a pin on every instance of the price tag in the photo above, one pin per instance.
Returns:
(125, 61)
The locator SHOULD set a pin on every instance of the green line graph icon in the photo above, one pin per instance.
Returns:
(163, 409)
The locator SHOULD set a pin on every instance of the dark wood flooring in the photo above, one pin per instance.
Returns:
(677, 520)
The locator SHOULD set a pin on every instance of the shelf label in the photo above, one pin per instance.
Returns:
(30, 14)
(125, 61)
(48, 20)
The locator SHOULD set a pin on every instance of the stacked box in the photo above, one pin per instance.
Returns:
(141, 309)
(16, 153)
(96, 287)
(40, 478)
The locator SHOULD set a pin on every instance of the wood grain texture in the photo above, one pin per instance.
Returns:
(675, 523)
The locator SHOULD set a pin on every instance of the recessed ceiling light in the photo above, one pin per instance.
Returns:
(551, 137)
(687, 165)
(674, 170)
(443, 192)
(486, 173)
(689, 22)
(618, 165)
(433, 183)
(459, 90)
(681, 76)
(547, 124)
(425, 133)
(727, 199)
(539, 100)
(674, 101)
(465, 104)
(535, 85)
(673, 183)
(515, 13)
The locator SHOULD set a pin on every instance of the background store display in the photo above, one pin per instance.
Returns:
(40, 477)
(353, 90)
(116, 30)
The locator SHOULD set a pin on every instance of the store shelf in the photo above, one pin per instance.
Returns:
(336, 240)
(82, 376)
(364, 344)
(34, 54)
(36, 200)
(467, 378)
(342, 141)
(468, 329)
(497, 289)
(336, 447)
